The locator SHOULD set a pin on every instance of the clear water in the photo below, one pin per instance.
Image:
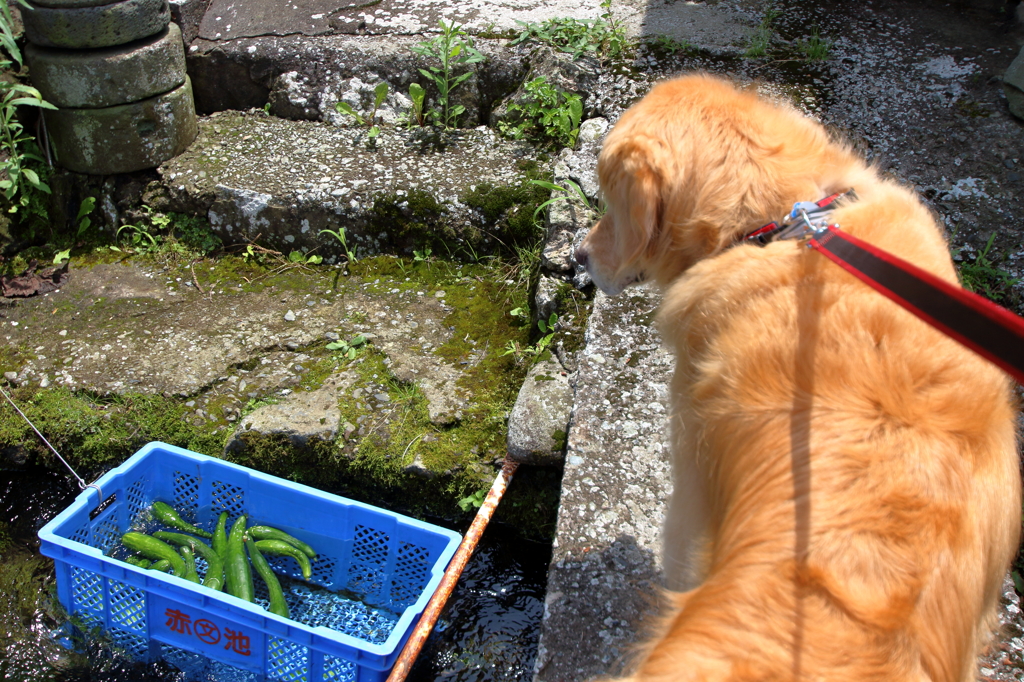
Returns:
(488, 632)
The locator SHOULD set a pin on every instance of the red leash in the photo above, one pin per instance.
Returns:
(986, 328)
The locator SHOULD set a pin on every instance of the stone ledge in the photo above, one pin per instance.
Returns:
(284, 181)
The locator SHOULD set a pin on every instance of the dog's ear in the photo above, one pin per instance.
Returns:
(630, 172)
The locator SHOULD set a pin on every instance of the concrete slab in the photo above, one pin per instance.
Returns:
(284, 181)
(605, 567)
(718, 26)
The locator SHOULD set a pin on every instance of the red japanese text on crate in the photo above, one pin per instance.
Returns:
(207, 632)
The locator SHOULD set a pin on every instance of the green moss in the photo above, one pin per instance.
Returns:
(508, 210)
(411, 221)
(574, 308)
(11, 358)
(95, 433)
(370, 464)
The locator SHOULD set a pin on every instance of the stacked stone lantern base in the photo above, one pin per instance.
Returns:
(116, 72)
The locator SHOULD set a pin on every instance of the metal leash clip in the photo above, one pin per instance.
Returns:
(807, 219)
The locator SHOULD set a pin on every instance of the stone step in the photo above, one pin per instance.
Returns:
(255, 176)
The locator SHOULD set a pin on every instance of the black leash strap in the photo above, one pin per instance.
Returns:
(989, 330)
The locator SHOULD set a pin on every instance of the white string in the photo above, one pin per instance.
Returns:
(81, 482)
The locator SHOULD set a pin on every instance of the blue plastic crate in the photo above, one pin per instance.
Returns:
(386, 567)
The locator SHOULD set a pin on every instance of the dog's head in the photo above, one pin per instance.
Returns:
(689, 169)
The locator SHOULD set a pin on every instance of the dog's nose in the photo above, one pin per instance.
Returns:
(580, 255)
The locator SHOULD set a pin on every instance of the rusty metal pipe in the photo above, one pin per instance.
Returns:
(451, 576)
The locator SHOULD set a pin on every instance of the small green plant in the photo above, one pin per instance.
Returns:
(547, 328)
(195, 233)
(380, 93)
(521, 313)
(605, 37)
(573, 191)
(815, 48)
(761, 39)
(547, 114)
(17, 149)
(474, 501)
(140, 239)
(349, 349)
(339, 234)
(82, 220)
(303, 259)
(983, 277)
(422, 256)
(668, 45)
(453, 48)
(417, 94)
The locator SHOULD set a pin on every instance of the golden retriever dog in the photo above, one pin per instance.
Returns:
(847, 493)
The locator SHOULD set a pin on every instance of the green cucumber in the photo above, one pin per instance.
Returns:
(236, 565)
(214, 577)
(220, 535)
(190, 563)
(165, 514)
(163, 566)
(154, 549)
(282, 548)
(277, 603)
(268, 533)
(135, 560)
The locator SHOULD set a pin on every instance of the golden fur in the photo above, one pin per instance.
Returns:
(847, 495)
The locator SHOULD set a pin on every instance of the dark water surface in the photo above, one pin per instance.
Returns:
(489, 631)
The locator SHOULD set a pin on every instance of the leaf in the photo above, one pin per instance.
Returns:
(549, 185)
(31, 176)
(315, 260)
(86, 207)
(62, 256)
(351, 353)
(373, 132)
(552, 320)
(346, 108)
(379, 94)
(575, 111)
(358, 340)
(336, 345)
(296, 257)
(417, 93)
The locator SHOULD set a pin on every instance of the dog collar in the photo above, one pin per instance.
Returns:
(806, 218)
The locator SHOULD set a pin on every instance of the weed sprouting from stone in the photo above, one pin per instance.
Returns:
(339, 234)
(761, 39)
(417, 95)
(982, 276)
(815, 48)
(546, 114)
(605, 37)
(453, 48)
(380, 93)
(668, 45)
